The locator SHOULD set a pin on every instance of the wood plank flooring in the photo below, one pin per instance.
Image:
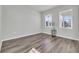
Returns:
(41, 42)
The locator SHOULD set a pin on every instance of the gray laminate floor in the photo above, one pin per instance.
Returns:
(41, 42)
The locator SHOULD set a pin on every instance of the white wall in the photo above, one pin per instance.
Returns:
(73, 33)
(18, 21)
(78, 21)
(0, 25)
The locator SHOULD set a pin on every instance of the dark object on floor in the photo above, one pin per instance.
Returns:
(53, 32)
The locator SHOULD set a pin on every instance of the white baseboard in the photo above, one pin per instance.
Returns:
(37, 33)
(68, 37)
(64, 36)
(19, 36)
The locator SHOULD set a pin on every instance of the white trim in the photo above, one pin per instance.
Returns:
(19, 36)
(15, 38)
(68, 37)
(64, 36)
(37, 33)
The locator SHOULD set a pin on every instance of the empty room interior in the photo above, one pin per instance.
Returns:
(39, 29)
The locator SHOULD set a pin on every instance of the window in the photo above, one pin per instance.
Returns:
(65, 18)
(48, 21)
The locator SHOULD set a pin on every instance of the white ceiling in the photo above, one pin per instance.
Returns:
(41, 8)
